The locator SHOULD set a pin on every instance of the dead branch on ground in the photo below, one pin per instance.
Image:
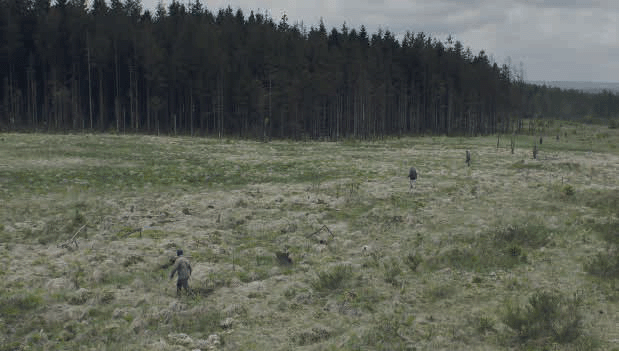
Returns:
(73, 240)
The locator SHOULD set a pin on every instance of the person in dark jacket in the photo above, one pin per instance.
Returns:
(183, 268)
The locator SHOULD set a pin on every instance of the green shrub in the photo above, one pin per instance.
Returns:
(332, 279)
(439, 292)
(609, 231)
(385, 335)
(203, 322)
(413, 261)
(392, 271)
(528, 235)
(606, 200)
(548, 316)
(18, 304)
(483, 324)
(312, 336)
(604, 265)
(131, 260)
(568, 190)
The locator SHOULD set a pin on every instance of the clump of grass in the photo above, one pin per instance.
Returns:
(606, 200)
(308, 337)
(609, 231)
(77, 273)
(569, 165)
(458, 258)
(484, 324)
(568, 190)
(392, 271)
(153, 233)
(528, 234)
(333, 278)
(413, 261)
(131, 260)
(385, 335)
(105, 297)
(604, 265)
(15, 305)
(522, 165)
(201, 321)
(264, 260)
(126, 231)
(439, 291)
(504, 247)
(366, 298)
(549, 317)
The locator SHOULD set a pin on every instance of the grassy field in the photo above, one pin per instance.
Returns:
(310, 246)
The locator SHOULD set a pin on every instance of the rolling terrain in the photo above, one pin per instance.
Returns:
(310, 246)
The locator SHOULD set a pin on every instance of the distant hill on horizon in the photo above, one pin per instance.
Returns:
(588, 87)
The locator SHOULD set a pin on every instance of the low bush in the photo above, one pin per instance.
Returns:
(332, 279)
(549, 317)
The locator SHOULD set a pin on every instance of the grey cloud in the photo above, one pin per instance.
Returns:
(439, 17)
(571, 4)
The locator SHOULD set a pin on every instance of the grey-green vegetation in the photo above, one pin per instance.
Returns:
(312, 246)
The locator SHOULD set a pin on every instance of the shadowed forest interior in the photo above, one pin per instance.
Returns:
(183, 69)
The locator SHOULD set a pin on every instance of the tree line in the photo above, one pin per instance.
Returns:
(183, 69)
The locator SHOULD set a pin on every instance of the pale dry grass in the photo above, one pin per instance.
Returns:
(233, 205)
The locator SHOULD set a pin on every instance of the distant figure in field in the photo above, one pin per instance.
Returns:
(540, 140)
(183, 268)
(468, 158)
(412, 175)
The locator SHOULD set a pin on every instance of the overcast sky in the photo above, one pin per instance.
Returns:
(556, 40)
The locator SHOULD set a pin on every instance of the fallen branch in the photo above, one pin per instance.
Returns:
(73, 240)
(324, 226)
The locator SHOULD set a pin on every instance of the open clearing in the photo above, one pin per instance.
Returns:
(310, 246)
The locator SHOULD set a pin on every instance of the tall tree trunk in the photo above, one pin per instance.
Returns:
(132, 97)
(148, 103)
(11, 98)
(191, 109)
(116, 87)
(89, 81)
(102, 119)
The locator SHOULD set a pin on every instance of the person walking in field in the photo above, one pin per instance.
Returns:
(183, 268)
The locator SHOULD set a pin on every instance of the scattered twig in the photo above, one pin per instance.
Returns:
(73, 240)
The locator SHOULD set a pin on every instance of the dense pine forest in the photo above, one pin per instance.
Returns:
(183, 69)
